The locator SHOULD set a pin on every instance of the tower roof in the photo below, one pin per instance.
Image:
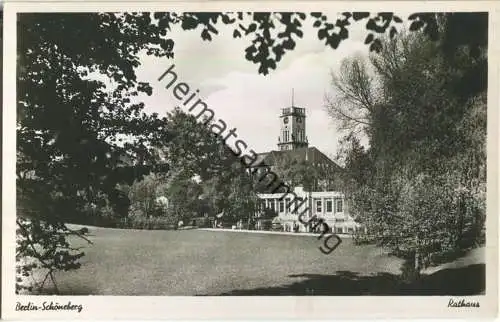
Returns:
(293, 110)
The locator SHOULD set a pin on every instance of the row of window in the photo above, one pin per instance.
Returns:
(339, 205)
(301, 137)
(285, 136)
(329, 205)
(281, 204)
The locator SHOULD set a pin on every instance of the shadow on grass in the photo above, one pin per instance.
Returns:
(468, 280)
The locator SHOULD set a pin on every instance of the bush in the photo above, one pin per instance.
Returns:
(202, 222)
(360, 238)
(264, 224)
(152, 223)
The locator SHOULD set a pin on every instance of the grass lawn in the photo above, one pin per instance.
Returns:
(193, 262)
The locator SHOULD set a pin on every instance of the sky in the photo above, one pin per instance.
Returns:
(246, 100)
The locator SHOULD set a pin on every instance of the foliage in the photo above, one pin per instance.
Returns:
(355, 96)
(44, 246)
(268, 213)
(69, 126)
(232, 192)
(311, 176)
(184, 195)
(357, 168)
(143, 195)
(420, 186)
(273, 34)
(167, 222)
(192, 149)
(207, 177)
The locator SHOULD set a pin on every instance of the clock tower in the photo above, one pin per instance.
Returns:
(293, 128)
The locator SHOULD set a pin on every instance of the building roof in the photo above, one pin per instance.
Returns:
(309, 154)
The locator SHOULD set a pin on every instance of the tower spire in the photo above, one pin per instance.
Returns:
(292, 96)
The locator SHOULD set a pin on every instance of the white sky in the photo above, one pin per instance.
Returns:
(232, 87)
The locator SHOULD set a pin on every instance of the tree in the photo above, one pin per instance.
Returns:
(355, 99)
(313, 177)
(184, 196)
(206, 176)
(357, 164)
(419, 188)
(193, 148)
(143, 196)
(231, 191)
(69, 126)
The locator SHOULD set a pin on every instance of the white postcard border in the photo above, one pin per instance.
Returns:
(224, 307)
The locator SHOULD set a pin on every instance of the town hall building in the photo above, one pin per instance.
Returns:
(328, 205)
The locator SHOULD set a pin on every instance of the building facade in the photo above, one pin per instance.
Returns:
(326, 205)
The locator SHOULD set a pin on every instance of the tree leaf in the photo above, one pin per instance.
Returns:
(397, 19)
(369, 39)
(393, 32)
(416, 25)
(360, 15)
(251, 28)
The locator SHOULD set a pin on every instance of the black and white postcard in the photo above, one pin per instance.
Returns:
(235, 160)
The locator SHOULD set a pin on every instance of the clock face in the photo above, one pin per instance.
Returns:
(285, 120)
